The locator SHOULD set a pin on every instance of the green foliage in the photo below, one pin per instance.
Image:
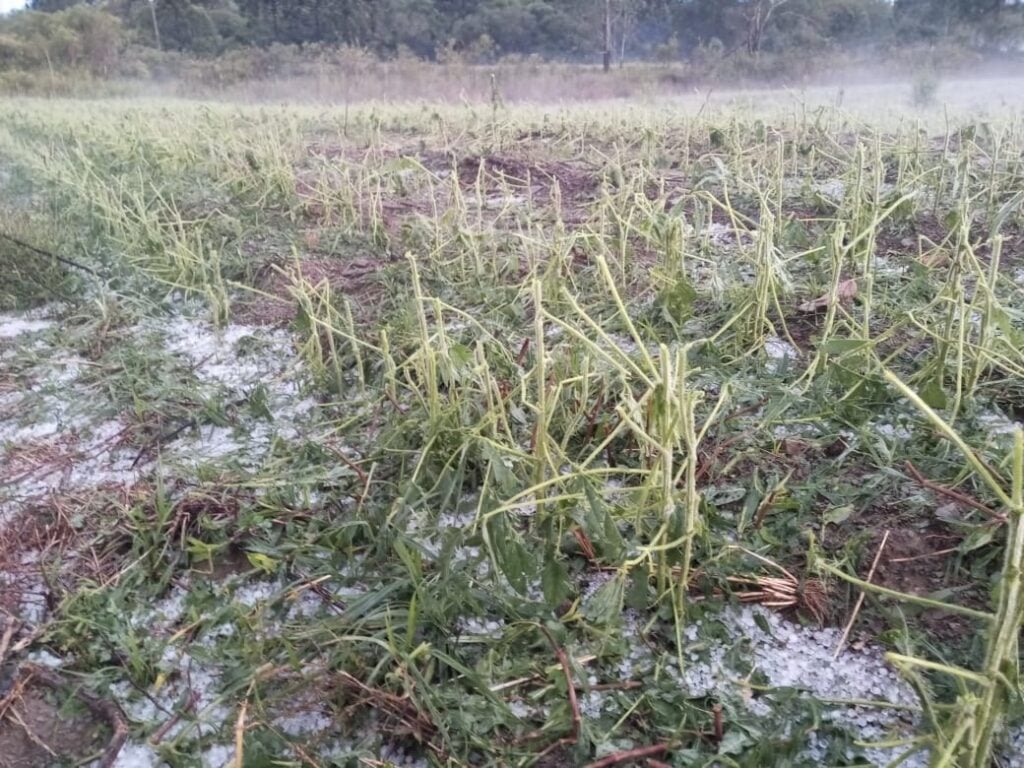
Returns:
(985, 23)
(564, 29)
(78, 38)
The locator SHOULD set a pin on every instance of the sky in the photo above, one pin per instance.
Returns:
(10, 5)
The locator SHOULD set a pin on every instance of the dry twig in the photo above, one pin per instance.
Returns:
(952, 494)
(629, 755)
(574, 705)
(102, 708)
(860, 599)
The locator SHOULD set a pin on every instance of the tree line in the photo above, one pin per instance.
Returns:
(485, 30)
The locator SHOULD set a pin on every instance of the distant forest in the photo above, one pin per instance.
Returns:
(483, 30)
(56, 44)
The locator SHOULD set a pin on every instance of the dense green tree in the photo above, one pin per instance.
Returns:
(983, 23)
(51, 6)
(199, 26)
(809, 24)
(79, 37)
(568, 29)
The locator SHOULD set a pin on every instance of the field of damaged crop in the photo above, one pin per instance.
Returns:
(491, 435)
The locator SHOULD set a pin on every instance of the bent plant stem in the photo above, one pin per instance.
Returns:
(985, 709)
(688, 400)
(1002, 658)
(906, 597)
(540, 435)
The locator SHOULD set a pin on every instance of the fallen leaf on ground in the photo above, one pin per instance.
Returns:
(845, 291)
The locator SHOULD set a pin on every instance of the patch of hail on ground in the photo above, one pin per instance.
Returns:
(233, 364)
(81, 446)
(591, 583)
(972, 316)
(14, 325)
(997, 425)
(479, 627)
(627, 344)
(308, 720)
(552, 333)
(83, 442)
(795, 657)
(1014, 746)
(44, 658)
(430, 532)
(457, 326)
(717, 234)
(780, 352)
(834, 189)
(218, 756)
(166, 613)
(795, 429)
(397, 756)
(500, 202)
(638, 663)
(63, 438)
(885, 266)
(82, 456)
(187, 678)
(300, 601)
(890, 431)
(25, 586)
(616, 491)
(135, 755)
(33, 605)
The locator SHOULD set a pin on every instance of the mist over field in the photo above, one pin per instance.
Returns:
(539, 50)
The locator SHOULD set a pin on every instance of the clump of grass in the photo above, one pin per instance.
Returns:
(30, 279)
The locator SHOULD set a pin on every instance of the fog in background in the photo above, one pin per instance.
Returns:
(516, 50)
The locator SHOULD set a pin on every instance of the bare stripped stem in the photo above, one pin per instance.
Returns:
(860, 598)
(982, 708)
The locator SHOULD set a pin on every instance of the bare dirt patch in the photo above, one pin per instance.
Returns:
(577, 183)
(274, 301)
(47, 720)
(916, 562)
(921, 560)
(36, 730)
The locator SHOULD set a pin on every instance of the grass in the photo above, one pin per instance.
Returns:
(547, 396)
